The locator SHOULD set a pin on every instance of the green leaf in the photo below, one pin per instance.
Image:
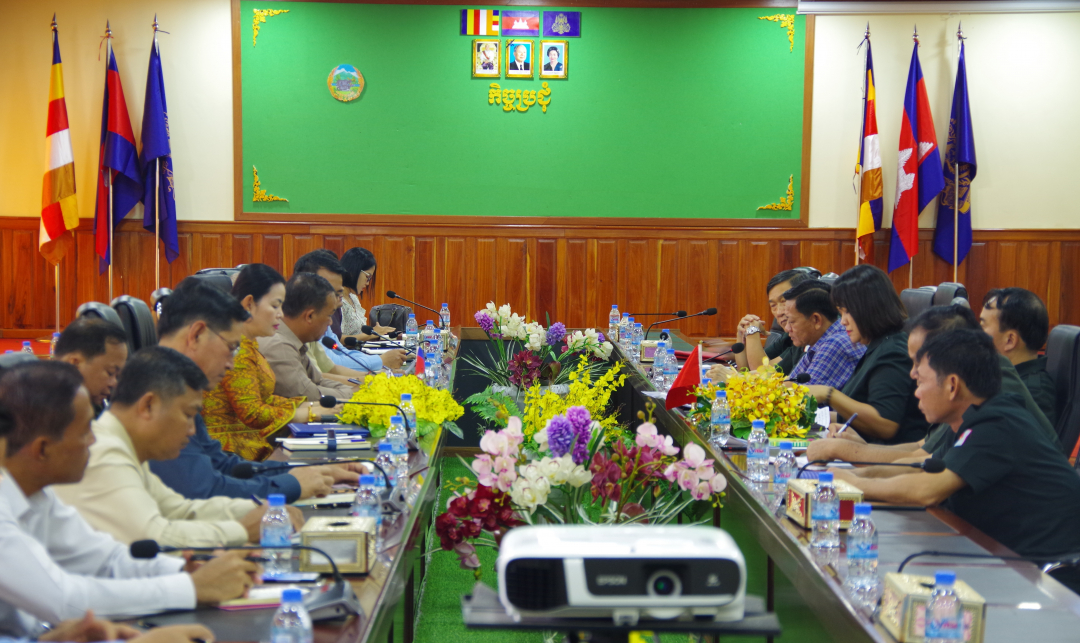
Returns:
(453, 428)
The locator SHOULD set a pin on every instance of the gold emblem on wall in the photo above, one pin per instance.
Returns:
(260, 16)
(259, 194)
(787, 21)
(787, 202)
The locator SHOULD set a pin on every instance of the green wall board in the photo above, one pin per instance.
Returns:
(666, 113)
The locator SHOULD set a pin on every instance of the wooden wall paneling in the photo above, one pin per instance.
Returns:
(1053, 282)
(335, 244)
(512, 266)
(459, 269)
(669, 278)
(426, 278)
(605, 281)
(242, 249)
(395, 266)
(487, 276)
(577, 275)
(1070, 284)
(546, 291)
(640, 279)
(213, 253)
(736, 300)
(698, 263)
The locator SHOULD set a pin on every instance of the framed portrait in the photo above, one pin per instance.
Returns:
(553, 62)
(485, 58)
(518, 58)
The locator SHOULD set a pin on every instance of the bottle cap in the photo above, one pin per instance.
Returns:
(666, 330)
(384, 446)
(614, 305)
(863, 508)
(438, 330)
(445, 306)
(671, 351)
(406, 397)
(276, 500)
(367, 478)
(431, 356)
(624, 314)
(758, 424)
(785, 445)
(945, 577)
(396, 419)
(292, 595)
(26, 342)
(824, 476)
(661, 343)
(56, 334)
(706, 382)
(430, 323)
(721, 394)
(412, 316)
(637, 324)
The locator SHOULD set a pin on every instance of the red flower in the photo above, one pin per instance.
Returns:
(459, 507)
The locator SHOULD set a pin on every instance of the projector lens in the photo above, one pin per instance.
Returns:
(664, 583)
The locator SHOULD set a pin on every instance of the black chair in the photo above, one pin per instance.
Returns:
(158, 297)
(101, 311)
(948, 291)
(220, 278)
(829, 278)
(960, 301)
(137, 319)
(1063, 366)
(916, 300)
(810, 270)
(393, 315)
(8, 360)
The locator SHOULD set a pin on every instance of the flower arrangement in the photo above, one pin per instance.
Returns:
(787, 408)
(434, 407)
(523, 353)
(570, 472)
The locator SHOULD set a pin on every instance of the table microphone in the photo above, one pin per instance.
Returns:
(247, 470)
(332, 345)
(329, 402)
(393, 295)
(929, 465)
(368, 330)
(801, 378)
(677, 313)
(709, 311)
(337, 601)
(1071, 559)
(736, 348)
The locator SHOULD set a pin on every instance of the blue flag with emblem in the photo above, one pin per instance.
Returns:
(155, 146)
(959, 152)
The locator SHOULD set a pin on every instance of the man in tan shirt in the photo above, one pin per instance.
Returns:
(309, 303)
(152, 416)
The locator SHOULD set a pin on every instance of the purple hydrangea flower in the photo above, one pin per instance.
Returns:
(560, 435)
(579, 418)
(600, 338)
(485, 321)
(581, 447)
(556, 333)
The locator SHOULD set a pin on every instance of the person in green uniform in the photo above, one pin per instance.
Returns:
(1017, 321)
(932, 322)
(780, 350)
(880, 390)
(1009, 482)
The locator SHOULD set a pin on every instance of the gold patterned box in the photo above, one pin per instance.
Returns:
(800, 498)
(347, 539)
(903, 608)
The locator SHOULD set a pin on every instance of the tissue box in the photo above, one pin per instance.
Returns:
(800, 496)
(648, 350)
(903, 608)
(348, 540)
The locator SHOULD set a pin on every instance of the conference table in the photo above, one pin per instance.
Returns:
(1022, 602)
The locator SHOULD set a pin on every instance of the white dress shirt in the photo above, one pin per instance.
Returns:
(54, 566)
(121, 496)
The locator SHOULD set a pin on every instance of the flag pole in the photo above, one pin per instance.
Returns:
(911, 262)
(109, 171)
(862, 145)
(56, 283)
(956, 167)
(157, 195)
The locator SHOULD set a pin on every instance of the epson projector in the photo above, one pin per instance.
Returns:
(621, 572)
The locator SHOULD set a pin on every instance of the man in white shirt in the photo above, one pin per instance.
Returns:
(151, 417)
(54, 565)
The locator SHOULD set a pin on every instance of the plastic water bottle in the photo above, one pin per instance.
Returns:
(385, 459)
(397, 433)
(825, 514)
(613, 324)
(292, 623)
(276, 531)
(52, 344)
(785, 465)
(666, 334)
(367, 503)
(625, 324)
(943, 623)
(671, 368)
(635, 343)
(400, 455)
(444, 318)
(757, 452)
(862, 558)
(436, 344)
(412, 332)
(410, 413)
(658, 365)
(26, 348)
(428, 334)
(431, 370)
(720, 420)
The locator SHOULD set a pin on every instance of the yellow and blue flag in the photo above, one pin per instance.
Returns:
(959, 152)
(868, 167)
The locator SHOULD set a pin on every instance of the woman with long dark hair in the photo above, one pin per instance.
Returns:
(360, 265)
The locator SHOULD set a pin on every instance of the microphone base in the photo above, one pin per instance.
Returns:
(336, 601)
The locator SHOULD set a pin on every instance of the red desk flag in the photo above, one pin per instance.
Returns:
(682, 391)
(419, 370)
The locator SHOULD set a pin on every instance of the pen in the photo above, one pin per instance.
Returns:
(256, 500)
(848, 423)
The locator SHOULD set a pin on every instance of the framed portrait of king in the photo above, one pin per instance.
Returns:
(485, 58)
(519, 58)
(553, 62)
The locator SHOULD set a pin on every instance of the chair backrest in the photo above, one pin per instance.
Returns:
(138, 321)
(947, 291)
(158, 297)
(393, 315)
(102, 311)
(813, 272)
(8, 360)
(960, 301)
(218, 277)
(1063, 366)
(916, 300)
(829, 278)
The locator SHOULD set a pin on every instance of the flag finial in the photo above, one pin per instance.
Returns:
(867, 34)
(960, 31)
(54, 21)
(915, 35)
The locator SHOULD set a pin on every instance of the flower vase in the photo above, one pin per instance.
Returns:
(513, 392)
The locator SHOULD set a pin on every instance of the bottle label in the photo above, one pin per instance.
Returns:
(757, 451)
(862, 550)
(825, 511)
(943, 629)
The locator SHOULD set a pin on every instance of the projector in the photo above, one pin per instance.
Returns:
(621, 572)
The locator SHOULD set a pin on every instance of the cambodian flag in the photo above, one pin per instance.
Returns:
(959, 150)
(155, 144)
(118, 161)
(919, 178)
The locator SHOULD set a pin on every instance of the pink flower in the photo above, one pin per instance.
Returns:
(687, 479)
(514, 436)
(667, 445)
(701, 491)
(670, 473)
(482, 467)
(467, 555)
(505, 480)
(718, 483)
(693, 455)
(646, 435)
(494, 443)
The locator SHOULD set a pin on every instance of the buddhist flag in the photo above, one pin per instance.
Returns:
(155, 146)
(479, 22)
(689, 378)
(919, 178)
(59, 211)
(868, 167)
(118, 162)
(960, 149)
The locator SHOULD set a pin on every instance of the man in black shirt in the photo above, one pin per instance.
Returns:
(779, 349)
(1017, 321)
(1008, 481)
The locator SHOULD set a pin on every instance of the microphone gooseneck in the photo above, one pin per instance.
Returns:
(707, 311)
(677, 313)
(929, 465)
(369, 330)
(329, 343)
(151, 548)
(735, 349)
(393, 295)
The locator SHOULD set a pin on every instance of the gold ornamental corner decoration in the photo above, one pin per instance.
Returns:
(787, 21)
(787, 202)
(259, 194)
(260, 16)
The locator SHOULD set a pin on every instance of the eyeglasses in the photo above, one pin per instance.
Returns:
(233, 348)
(367, 274)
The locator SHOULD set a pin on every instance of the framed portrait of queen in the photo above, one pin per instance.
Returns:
(485, 58)
(553, 57)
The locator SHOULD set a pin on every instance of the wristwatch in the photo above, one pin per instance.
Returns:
(752, 330)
